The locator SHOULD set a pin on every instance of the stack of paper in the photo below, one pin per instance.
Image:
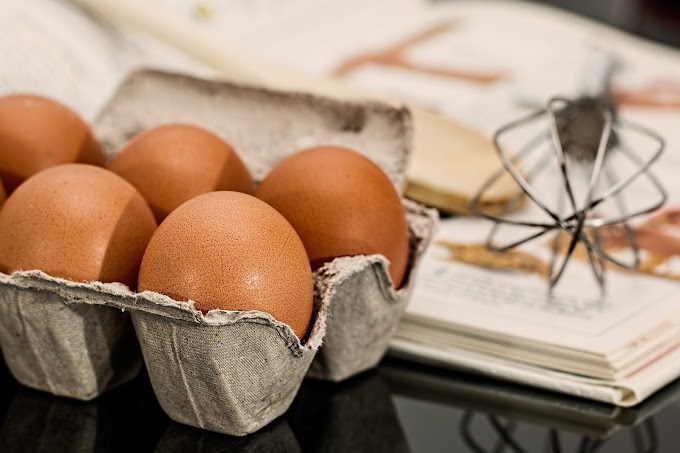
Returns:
(618, 349)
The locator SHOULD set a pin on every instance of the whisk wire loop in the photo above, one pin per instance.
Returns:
(581, 135)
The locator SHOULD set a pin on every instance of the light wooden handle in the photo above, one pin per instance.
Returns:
(217, 54)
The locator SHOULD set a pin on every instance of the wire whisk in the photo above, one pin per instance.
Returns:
(582, 173)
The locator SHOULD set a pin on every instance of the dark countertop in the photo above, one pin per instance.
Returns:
(397, 407)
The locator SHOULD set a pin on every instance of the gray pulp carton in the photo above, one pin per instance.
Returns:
(230, 372)
(227, 371)
(366, 308)
(58, 341)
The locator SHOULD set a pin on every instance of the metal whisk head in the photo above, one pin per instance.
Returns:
(582, 174)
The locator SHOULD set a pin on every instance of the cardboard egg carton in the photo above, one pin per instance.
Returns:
(227, 371)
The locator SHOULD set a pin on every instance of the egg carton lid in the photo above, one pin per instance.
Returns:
(263, 125)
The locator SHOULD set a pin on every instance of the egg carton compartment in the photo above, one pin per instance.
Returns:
(233, 373)
(53, 342)
(366, 308)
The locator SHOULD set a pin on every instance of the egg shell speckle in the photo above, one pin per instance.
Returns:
(228, 250)
(341, 204)
(172, 163)
(2, 194)
(36, 133)
(76, 221)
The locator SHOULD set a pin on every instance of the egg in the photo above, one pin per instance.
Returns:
(228, 250)
(2, 194)
(78, 222)
(36, 133)
(341, 204)
(172, 163)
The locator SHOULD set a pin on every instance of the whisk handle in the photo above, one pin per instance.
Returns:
(597, 78)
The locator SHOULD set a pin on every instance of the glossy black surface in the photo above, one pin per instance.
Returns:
(445, 411)
(398, 407)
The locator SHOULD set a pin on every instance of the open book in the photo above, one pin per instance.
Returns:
(481, 64)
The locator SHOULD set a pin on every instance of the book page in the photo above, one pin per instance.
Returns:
(510, 302)
(54, 48)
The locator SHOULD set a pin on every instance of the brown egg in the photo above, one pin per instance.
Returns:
(173, 163)
(37, 133)
(2, 194)
(77, 222)
(228, 250)
(341, 204)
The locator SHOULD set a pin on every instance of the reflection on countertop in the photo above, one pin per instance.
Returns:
(478, 414)
(127, 418)
(398, 407)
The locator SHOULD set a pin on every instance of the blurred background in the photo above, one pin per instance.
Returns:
(658, 20)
